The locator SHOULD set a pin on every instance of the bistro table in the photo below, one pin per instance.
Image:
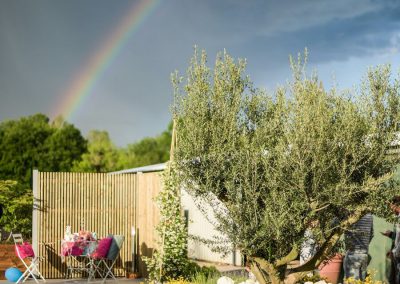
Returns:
(75, 254)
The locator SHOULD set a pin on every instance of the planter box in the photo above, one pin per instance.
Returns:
(8, 259)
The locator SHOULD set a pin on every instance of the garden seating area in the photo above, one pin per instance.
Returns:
(81, 252)
(84, 254)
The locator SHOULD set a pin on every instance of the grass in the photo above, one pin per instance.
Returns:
(201, 278)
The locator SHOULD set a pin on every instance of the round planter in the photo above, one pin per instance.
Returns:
(332, 268)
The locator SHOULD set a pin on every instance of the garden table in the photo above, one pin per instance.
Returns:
(75, 254)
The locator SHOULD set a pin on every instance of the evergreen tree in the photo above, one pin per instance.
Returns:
(102, 155)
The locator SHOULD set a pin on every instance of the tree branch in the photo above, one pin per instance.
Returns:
(330, 242)
(292, 255)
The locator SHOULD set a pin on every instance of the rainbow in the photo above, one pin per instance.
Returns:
(84, 82)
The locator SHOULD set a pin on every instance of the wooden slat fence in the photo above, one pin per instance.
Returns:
(98, 202)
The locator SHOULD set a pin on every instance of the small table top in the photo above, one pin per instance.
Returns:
(78, 247)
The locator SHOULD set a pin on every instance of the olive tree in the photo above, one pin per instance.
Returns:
(272, 165)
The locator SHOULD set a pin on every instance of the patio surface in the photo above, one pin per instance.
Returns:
(81, 281)
(225, 269)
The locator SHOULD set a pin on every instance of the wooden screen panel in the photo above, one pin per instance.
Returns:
(101, 203)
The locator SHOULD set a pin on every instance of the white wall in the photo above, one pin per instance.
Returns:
(201, 227)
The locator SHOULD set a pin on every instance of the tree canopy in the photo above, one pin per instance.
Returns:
(102, 155)
(25, 144)
(32, 142)
(35, 142)
(273, 164)
(148, 151)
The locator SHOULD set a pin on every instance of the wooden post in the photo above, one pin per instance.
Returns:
(36, 207)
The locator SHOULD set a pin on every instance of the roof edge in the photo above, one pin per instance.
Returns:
(144, 169)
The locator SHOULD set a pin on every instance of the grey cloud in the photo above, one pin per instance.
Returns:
(45, 43)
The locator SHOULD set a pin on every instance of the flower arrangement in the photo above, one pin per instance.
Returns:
(86, 236)
(81, 243)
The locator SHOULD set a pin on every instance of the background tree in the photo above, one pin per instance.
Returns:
(272, 165)
(22, 147)
(64, 147)
(148, 151)
(29, 143)
(102, 155)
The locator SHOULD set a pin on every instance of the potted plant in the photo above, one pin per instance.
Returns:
(331, 268)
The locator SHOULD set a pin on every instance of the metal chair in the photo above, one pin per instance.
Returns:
(112, 256)
(32, 268)
(97, 256)
(105, 266)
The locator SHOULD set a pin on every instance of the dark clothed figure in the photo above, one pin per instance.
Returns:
(357, 240)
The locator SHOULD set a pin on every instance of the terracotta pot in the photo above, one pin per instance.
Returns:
(332, 268)
(131, 275)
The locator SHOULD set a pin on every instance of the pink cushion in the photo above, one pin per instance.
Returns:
(25, 250)
(102, 248)
(71, 248)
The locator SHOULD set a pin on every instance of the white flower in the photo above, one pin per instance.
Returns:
(225, 280)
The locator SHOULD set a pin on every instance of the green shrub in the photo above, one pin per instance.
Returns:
(313, 278)
(17, 202)
(170, 261)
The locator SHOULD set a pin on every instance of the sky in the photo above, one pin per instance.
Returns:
(106, 64)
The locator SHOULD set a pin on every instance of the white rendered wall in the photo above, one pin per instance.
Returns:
(199, 226)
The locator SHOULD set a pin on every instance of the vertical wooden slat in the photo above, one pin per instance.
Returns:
(41, 214)
(98, 204)
(48, 219)
(49, 216)
(89, 197)
(127, 224)
(62, 219)
(135, 212)
(54, 226)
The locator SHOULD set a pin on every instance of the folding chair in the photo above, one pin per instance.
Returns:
(112, 256)
(25, 252)
(97, 256)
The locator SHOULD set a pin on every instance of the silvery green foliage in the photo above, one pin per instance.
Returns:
(170, 260)
(278, 163)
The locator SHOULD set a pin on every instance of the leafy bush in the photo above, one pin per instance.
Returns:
(202, 275)
(16, 202)
(368, 280)
(180, 280)
(313, 278)
(170, 261)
